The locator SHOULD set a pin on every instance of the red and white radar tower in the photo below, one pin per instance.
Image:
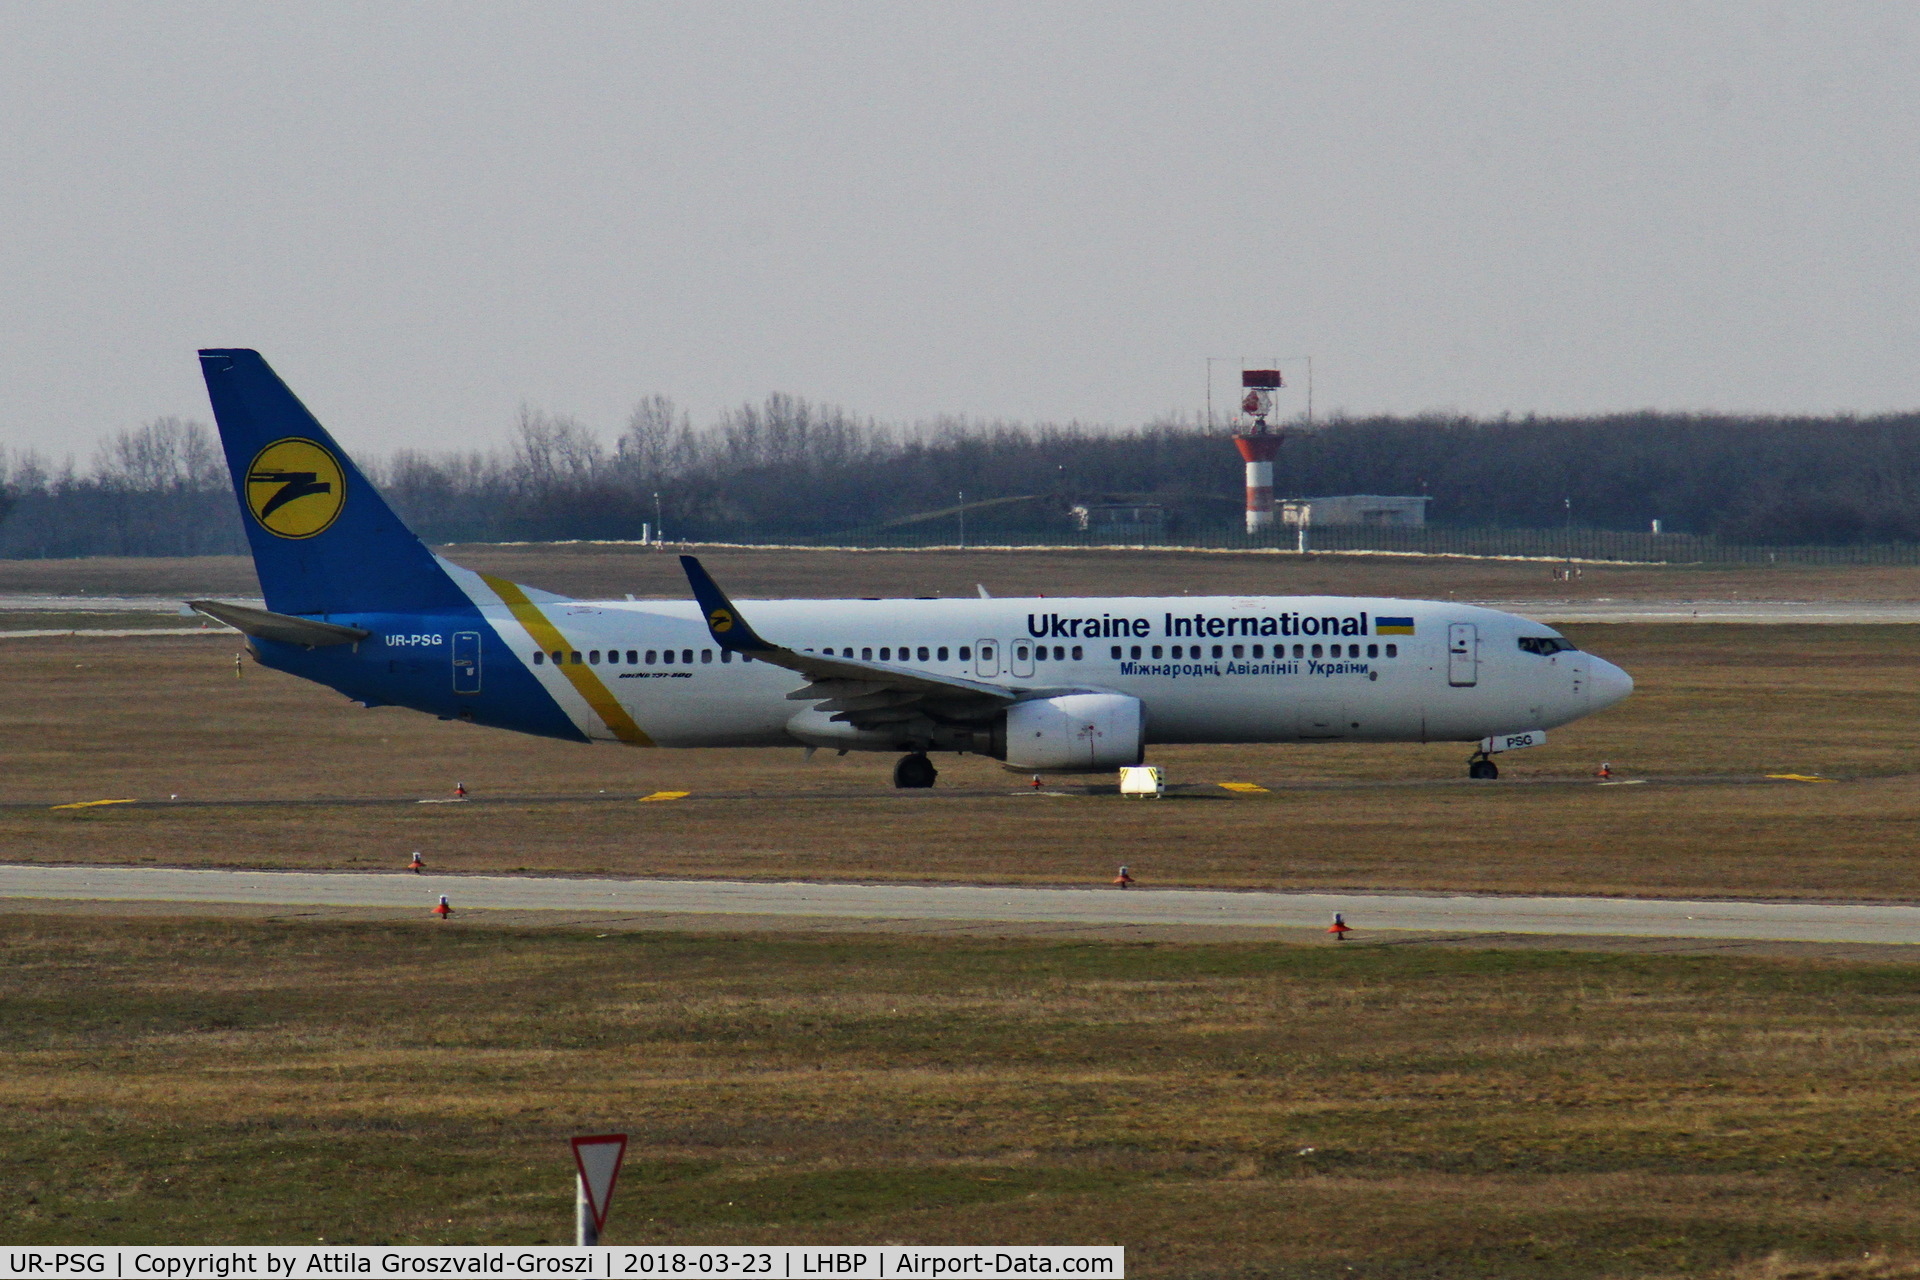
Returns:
(1258, 443)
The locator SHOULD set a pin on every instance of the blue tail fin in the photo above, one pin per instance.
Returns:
(323, 540)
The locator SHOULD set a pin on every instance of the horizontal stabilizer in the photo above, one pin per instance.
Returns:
(283, 627)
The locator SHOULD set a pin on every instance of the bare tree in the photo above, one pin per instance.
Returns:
(556, 451)
(165, 455)
(648, 449)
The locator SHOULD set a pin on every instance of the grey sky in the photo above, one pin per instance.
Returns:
(425, 214)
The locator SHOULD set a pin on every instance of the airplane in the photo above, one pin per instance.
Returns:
(355, 601)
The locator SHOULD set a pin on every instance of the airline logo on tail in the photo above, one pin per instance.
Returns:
(296, 488)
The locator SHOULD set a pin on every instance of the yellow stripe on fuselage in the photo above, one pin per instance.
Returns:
(585, 680)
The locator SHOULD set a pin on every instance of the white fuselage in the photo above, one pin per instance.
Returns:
(1221, 669)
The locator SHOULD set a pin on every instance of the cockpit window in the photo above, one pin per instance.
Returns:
(1546, 646)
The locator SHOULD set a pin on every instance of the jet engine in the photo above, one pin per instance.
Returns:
(1075, 733)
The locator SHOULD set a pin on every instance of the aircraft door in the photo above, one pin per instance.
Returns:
(466, 662)
(1463, 655)
(1020, 658)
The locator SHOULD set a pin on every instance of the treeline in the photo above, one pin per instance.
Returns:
(790, 470)
(1752, 480)
(160, 490)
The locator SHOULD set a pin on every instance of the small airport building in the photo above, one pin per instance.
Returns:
(1121, 521)
(1368, 509)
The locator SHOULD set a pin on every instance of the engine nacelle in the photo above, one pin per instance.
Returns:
(1075, 733)
(1068, 733)
(818, 728)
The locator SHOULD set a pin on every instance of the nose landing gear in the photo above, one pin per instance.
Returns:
(1480, 766)
(914, 772)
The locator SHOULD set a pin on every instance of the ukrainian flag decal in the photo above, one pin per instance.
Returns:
(1393, 626)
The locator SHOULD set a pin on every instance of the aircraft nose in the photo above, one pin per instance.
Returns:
(1607, 684)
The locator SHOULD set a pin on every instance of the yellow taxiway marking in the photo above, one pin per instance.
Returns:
(1799, 777)
(1246, 788)
(89, 804)
(666, 795)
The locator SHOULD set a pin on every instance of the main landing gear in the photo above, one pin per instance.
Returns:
(1481, 766)
(914, 771)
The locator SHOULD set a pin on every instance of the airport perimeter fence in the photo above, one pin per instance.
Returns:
(1542, 544)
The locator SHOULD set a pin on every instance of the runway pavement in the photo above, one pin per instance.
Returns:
(1372, 913)
(28, 602)
(1182, 792)
(13, 607)
(1749, 612)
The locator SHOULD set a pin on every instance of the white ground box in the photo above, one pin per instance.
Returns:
(1141, 780)
(1374, 510)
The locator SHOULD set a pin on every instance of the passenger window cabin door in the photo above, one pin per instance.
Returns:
(986, 657)
(1463, 655)
(466, 662)
(1020, 658)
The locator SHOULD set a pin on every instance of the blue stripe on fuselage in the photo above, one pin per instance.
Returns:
(408, 662)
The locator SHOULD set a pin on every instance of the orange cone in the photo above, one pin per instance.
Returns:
(459, 788)
(1339, 928)
(1036, 782)
(416, 866)
(1123, 879)
(1605, 770)
(444, 908)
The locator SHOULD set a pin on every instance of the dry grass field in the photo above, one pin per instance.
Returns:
(1222, 1110)
(602, 570)
(1717, 708)
(589, 570)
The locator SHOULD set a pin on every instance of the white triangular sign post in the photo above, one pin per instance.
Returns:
(598, 1159)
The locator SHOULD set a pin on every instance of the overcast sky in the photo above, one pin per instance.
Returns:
(427, 214)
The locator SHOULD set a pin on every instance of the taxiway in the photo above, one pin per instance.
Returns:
(1373, 912)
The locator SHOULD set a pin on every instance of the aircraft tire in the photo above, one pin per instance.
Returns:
(914, 772)
(1484, 770)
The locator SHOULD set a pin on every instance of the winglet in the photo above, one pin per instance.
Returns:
(729, 629)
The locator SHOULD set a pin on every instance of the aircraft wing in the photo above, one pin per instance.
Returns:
(864, 694)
